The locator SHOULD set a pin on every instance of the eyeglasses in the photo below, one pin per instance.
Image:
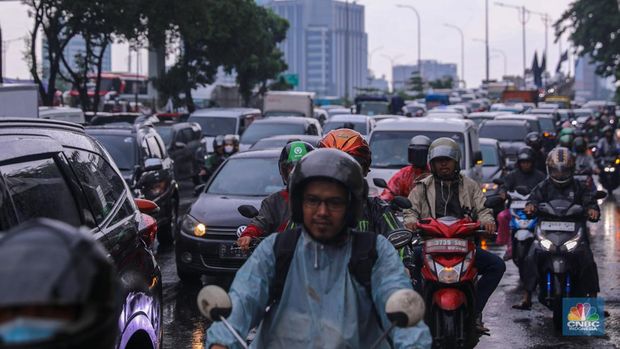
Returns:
(332, 204)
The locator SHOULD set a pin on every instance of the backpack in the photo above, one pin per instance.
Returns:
(363, 258)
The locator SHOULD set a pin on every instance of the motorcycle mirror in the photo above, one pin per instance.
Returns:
(214, 303)
(498, 181)
(405, 308)
(248, 211)
(493, 202)
(402, 202)
(600, 195)
(400, 238)
(379, 182)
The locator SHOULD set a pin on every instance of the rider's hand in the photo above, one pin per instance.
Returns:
(529, 209)
(593, 214)
(489, 227)
(502, 195)
(410, 226)
(244, 243)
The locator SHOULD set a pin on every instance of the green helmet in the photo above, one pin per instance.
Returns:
(444, 148)
(566, 141)
(567, 131)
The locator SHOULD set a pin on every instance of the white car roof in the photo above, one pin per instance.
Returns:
(425, 124)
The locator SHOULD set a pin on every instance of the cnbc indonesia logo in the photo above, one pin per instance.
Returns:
(583, 317)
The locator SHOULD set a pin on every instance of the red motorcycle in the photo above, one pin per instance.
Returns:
(449, 277)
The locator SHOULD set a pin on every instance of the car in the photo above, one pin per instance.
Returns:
(445, 115)
(338, 111)
(479, 117)
(543, 124)
(62, 113)
(443, 109)
(278, 142)
(53, 169)
(141, 156)
(205, 243)
(381, 117)
(390, 138)
(414, 110)
(548, 111)
(493, 165)
(183, 143)
(279, 125)
(360, 123)
(510, 133)
(223, 121)
(509, 108)
(321, 115)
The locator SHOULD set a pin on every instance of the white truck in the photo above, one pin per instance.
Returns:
(288, 103)
(19, 101)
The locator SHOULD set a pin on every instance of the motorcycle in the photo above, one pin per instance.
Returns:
(449, 276)
(522, 226)
(560, 233)
(584, 175)
(610, 172)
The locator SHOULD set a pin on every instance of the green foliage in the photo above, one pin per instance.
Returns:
(280, 85)
(416, 84)
(594, 29)
(446, 82)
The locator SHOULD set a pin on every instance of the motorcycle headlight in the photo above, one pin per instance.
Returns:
(571, 244)
(546, 244)
(192, 226)
(449, 275)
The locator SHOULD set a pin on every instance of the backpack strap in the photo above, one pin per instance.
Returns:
(363, 257)
(284, 250)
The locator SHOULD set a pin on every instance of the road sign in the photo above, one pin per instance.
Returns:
(291, 79)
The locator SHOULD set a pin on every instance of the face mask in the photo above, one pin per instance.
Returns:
(27, 330)
(229, 149)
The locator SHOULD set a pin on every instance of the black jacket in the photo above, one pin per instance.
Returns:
(576, 192)
(378, 217)
(519, 178)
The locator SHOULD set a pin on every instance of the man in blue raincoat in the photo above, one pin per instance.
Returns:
(319, 298)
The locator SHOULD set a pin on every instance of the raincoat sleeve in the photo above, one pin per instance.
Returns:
(388, 276)
(394, 185)
(249, 294)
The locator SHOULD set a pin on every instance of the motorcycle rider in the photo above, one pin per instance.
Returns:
(274, 213)
(534, 141)
(403, 181)
(607, 145)
(524, 175)
(377, 216)
(223, 146)
(447, 193)
(60, 289)
(320, 303)
(560, 184)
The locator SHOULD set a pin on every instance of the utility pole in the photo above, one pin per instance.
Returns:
(392, 60)
(462, 50)
(1, 58)
(523, 18)
(417, 14)
(346, 53)
(486, 37)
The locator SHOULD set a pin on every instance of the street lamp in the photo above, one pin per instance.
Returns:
(462, 49)
(419, 35)
(523, 18)
(372, 52)
(505, 59)
(392, 60)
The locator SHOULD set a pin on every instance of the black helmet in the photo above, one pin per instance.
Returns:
(418, 151)
(332, 165)
(218, 141)
(290, 155)
(580, 145)
(60, 290)
(533, 140)
(560, 165)
(607, 129)
(525, 154)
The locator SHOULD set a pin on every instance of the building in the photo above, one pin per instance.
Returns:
(589, 85)
(76, 46)
(315, 46)
(431, 70)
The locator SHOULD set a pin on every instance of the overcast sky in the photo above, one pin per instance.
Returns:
(393, 30)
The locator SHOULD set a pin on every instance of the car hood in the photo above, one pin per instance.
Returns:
(490, 172)
(511, 148)
(221, 210)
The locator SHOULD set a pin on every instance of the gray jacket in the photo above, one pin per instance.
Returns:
(423, 196)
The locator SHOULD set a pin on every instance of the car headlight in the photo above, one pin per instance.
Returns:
(192, 226)
(448, 275)
(489, 187)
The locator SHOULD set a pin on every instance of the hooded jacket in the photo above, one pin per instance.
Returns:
(322, 305)
(403, 181)
(423, 199)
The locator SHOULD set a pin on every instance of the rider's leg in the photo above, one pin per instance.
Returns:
(491, 268)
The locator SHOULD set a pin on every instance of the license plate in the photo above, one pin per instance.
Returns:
(446, 246)
(558, 226)
(231, 251)
(518, 204)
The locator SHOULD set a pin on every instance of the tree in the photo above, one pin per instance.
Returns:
(280, 85)
(446, 82)
(416, 84)
(593, 27)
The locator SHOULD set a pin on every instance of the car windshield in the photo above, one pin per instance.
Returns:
(357, 126)
(283, 113)
(477, 119)
(235, 179)
(504, 133)
(122, 148)
(489, 155)
(213, 125)
(258, 131)
(269, 144)
(547, 125)
(373, 108)
(166, 133)
(389, 148)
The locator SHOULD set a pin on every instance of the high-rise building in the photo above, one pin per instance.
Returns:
(75, 46)
(431, 70)
(589, 85)
(315, 46)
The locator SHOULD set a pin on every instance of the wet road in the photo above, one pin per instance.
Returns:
(184, 327)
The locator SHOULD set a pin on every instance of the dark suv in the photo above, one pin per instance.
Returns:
(141, 155)
(183, 143)
(53, 169)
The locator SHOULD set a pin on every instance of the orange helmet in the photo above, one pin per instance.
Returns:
(350, 142)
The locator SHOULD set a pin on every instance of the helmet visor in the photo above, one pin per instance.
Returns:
(560, 173)
(444, 151)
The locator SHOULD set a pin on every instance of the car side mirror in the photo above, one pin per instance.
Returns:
(498, 181)
(146, 206)
(179, 145)
(248, 211)
(153, 164)
(600, 195)
(379, 182)
(478, 158)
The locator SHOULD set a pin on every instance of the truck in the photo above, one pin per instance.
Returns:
(288, 103)
(436, 99)
(19, 100)
(520, 96)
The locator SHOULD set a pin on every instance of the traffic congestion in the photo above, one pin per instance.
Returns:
(434, 216)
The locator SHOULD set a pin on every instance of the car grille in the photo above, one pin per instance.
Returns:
(221, 233)
(214, 261)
